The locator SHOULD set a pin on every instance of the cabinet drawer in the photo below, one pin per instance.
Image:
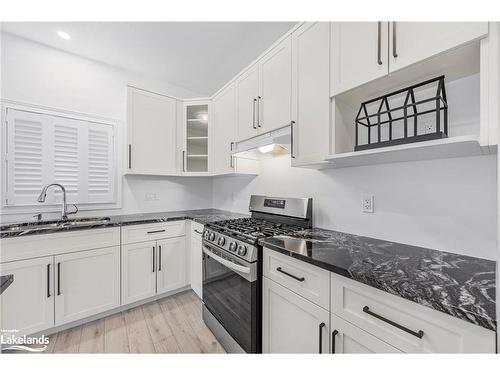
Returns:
(356, 303)
(38, 245)
(310, 282)
(196, 230)
(154, 231)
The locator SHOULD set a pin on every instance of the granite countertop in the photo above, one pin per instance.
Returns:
(201, 216)
(458, 285)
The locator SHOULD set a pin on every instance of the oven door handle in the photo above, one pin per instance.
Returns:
(235, 267)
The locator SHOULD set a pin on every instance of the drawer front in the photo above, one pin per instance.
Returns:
(308, 281)
(35, 246)
(388, 317)
(196, 230)
(151, 232)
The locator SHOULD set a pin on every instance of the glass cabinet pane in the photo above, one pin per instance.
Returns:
(197, 138)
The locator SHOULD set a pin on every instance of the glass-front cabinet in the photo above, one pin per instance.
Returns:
(196, 137)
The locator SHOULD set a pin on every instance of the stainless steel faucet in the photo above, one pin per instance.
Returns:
(64, 208)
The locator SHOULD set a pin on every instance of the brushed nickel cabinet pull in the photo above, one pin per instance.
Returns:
(334, 334)
(129, 156)
(253, 115)
(292, 127)
(394, 48)
(58, 278)
(48, 280)
(259, 98)
(153, 256)
(159, 258)
(379, 45)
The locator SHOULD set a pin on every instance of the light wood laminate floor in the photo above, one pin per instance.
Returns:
(170, 325)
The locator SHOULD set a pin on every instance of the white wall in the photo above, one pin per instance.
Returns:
(445, 204)
(35, 74)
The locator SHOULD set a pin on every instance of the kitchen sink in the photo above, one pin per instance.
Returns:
(42, 225)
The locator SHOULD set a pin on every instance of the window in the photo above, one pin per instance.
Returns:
(41, 149)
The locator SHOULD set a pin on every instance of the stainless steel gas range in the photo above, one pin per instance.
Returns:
(232, 268)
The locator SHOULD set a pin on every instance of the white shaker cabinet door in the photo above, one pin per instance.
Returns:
(247, 92)
(359, 54)
(152, 133)
(27, 305)
(196, 260)
(274, 101)
(348, 339)
(87, 283)
(411, 42)
(224, 129)
(138, 271)
(171, 262)
(292, 324)
(311, 97)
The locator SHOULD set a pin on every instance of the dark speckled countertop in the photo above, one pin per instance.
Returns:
(458, 285)
(201, 216)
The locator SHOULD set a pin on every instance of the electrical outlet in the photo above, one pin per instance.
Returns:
(151, 197)
(367, 203)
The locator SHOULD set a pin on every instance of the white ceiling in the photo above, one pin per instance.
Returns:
(198, 56)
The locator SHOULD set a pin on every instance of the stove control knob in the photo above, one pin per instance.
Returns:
(211, 236)
(232, 246)
(221, 241)
(242, 250)
(205, 234)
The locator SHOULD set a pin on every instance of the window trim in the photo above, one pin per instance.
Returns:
(117, 126)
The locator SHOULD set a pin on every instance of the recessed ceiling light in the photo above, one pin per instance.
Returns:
(64, 35)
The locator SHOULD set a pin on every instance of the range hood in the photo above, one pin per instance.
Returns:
(274, 143)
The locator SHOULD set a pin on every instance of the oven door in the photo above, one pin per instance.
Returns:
(231, 294)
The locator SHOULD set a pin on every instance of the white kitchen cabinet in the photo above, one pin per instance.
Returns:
(171, 261)
(196, 137)
(346, 338)
(274, 100)
(87, 283)
(224, 129)
(196, 258)
(247, 92)
(151, 124)
(292, 324)
(138, 271)
(411, 42)
(425, 330)
(27, 305)
(264, 93)
(359, 54)
(310, 93)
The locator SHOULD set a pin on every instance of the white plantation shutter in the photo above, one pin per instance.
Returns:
(100, 166)
(43, 149)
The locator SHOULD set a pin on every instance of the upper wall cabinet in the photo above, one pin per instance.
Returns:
(411, 42)
(196, 140)
(264, 93)
(224, 119)
(310, 98)
(359, 54)
(151, 124)
(365, 51)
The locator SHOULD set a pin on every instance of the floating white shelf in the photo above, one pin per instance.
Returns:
(197, 120)
(197, 138)
(460, 146)
(197, 156)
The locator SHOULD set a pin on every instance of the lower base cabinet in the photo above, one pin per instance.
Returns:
(152, 267)
(27, 305)
(196, 259)
(292, 324)
(87, 283)
(348, 339)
